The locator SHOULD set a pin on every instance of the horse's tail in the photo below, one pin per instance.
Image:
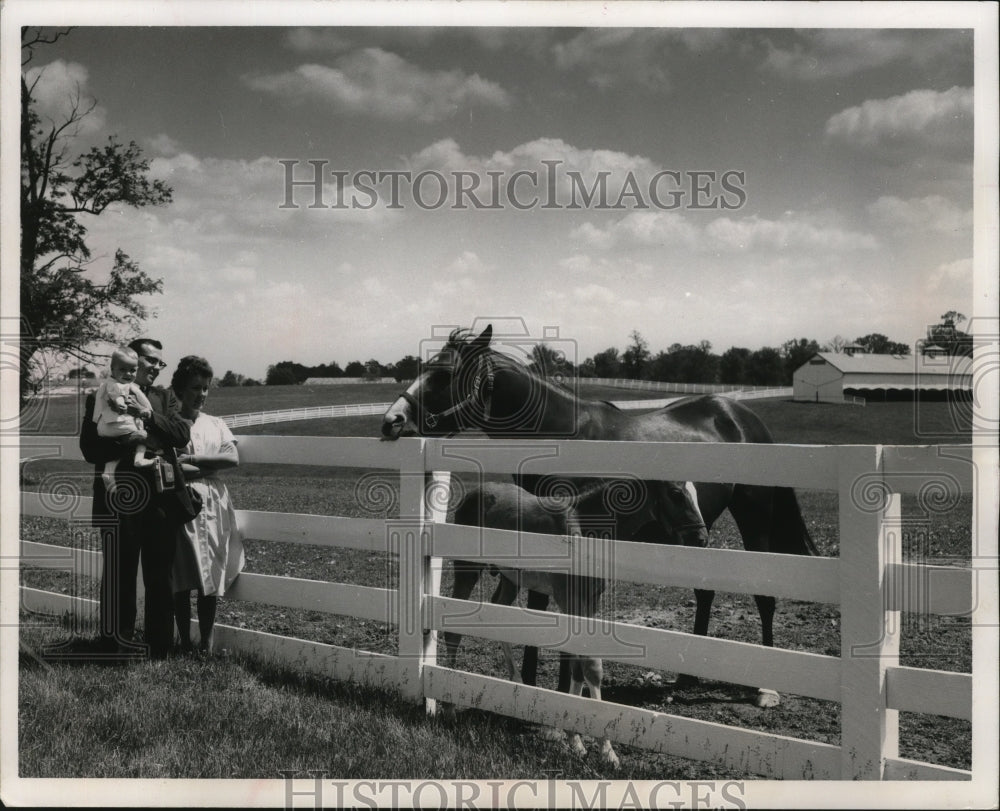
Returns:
(789, 534)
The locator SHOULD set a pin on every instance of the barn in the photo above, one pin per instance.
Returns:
(828, 376)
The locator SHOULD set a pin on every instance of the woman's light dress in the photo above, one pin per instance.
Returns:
(210, 548)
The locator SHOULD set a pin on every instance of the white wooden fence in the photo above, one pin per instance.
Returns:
(306, 413)
(729, 389)
(868, 581)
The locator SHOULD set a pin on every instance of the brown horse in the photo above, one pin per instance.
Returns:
(470, 386)
(615, 509)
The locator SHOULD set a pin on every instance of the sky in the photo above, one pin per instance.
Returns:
(761, 184)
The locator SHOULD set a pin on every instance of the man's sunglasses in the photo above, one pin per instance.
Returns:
(154, 362)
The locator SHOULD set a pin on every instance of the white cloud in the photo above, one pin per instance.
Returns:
(931, 213)
(595, 294)
(577, 263)
(837, 53)
(375, 82)
(928, 116)
(467, 264)
(660, 228)
(752, 233)
(955, 279)
(164, 145)
(624, 57)
(671, 230)
(242, 199)
(236, 274)
(575, 174)
(60, 87)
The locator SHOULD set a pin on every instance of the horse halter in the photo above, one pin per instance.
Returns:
(480, 395)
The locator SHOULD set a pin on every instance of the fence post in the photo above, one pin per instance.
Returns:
(423, 500)
(436, 497)
(869, 632)
(408, 536)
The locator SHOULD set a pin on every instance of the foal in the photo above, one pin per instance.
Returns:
(595, 512)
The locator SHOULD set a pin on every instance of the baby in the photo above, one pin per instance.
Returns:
(112, 417)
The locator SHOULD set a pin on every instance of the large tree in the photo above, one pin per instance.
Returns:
(549, 362)
(876, 343)
(70, 303)
(734, 365)
(796, 352)
(607, 363)
(635, 356)
(949, 336)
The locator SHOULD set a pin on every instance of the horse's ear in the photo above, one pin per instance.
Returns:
(483, 341)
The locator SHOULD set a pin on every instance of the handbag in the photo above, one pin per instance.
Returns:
(179, 501)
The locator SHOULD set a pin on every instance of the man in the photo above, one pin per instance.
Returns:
(130, 522)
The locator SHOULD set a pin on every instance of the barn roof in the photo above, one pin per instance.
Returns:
(897, 364)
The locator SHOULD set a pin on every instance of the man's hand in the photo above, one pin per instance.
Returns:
(132, 407)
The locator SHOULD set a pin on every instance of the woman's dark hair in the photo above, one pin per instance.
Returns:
(188, 367)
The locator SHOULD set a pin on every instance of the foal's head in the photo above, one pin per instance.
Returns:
(634, 510)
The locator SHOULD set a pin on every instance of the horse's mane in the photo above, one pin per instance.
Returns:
(461, 338)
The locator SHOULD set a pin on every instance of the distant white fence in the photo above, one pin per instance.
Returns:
(346, 381)
(681, 388)
(869, 581)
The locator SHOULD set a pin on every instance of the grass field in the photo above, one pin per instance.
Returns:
(217, 706)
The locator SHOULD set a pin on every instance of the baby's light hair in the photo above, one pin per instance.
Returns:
(124, 353)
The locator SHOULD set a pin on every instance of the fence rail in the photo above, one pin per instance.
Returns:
(728, 389)
(308, 413)
(868, 581)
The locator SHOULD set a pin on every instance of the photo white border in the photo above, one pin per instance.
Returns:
(982, 17)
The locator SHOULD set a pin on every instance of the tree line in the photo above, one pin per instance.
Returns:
(691, 363)
(289, 372)
(697, 363)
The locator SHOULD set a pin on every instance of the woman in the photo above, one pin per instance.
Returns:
(210, 548)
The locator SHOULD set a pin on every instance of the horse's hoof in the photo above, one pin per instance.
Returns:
(576, 746)
(609, 756)
(767, 698)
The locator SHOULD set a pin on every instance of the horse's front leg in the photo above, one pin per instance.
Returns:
(766, 697)
(537, 601)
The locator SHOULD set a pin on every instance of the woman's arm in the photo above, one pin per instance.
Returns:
(226, 457)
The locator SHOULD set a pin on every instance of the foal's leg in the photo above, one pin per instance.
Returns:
(576, 683)
(579, 598)
(591, 670)
(505, 594)
(466, 576)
